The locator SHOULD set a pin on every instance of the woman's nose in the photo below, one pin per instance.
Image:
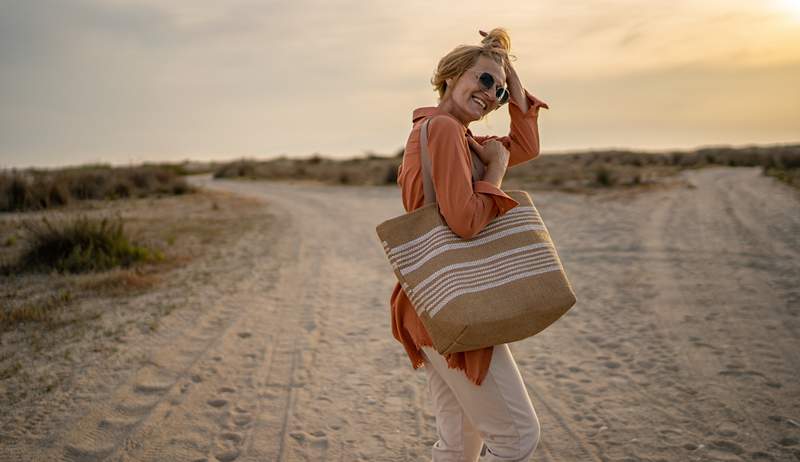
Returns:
(491, 94)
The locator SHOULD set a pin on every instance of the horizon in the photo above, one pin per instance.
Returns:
(364, 155)
(124, 82)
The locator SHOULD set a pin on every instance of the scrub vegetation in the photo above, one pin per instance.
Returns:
(80, 245)
(571, 172)
(36, 189)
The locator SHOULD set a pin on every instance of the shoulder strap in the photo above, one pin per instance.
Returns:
(425, 159)
(427, 183)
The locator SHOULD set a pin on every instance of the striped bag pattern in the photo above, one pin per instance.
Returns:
(502, 285)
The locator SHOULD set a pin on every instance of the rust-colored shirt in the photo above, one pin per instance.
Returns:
(465, 205)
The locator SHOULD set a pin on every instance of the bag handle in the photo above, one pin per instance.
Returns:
(427, 183)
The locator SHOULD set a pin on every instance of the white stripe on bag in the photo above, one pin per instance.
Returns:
(498, 275)
(468, 244)
(449, 236)
(510, 278)
(454, 279)
(511, 213)
(535, 248)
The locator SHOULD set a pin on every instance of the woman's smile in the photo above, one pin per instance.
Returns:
(466, 99)
(481, 103)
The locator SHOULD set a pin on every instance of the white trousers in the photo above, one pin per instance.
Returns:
(498, 413)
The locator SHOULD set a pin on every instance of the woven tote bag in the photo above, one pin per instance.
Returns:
(502, 285)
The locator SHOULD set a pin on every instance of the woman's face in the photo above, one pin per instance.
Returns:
(466, 99)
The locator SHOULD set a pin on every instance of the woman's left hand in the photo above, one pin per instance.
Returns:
(513, 84)
(515, 89)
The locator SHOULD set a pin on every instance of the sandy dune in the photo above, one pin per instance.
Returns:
(683, 345)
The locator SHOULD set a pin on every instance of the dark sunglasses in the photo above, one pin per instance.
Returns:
(487, 82)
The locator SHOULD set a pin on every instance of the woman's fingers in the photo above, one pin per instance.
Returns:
(509, 68)
(477, 147)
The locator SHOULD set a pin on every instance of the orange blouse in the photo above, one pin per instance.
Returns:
(465, 205)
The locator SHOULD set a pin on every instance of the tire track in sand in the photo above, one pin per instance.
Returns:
(123, 425)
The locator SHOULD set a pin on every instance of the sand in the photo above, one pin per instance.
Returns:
(683, 345)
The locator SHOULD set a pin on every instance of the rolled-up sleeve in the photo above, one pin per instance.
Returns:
(502, 200)
(522, 141)
(466, 208)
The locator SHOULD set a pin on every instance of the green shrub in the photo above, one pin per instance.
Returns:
(391, 175)
(80, 245)
(18, 194)
(604, 176)
(790, 176)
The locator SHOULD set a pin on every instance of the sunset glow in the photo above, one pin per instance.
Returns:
(126, 81)
(791, 6)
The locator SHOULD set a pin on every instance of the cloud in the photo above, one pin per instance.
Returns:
(120, 79)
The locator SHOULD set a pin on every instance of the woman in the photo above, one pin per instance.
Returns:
(478, 396)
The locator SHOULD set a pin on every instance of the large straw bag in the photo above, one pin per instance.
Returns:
(502, 285)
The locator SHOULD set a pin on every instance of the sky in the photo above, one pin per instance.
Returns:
(121, 81)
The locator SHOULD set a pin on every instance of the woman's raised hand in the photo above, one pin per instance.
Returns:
(491, 153)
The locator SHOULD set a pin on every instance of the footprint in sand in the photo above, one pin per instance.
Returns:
(760, 455)
(788, 441)
(316, 439)
(77, 453)
(726, 446)
(217, 402)
(151, 388)
(227, 456)
(234, 438)
(242, 420)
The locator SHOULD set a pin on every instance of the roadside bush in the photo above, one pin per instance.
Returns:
(38, 189)
(605, 177)
(80, 245)
(391, 175)
(593, 169)
(790, 176)
(239, 168)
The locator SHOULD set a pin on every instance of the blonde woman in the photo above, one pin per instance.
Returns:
(481, 404)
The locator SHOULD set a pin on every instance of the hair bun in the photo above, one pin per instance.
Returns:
(496, 38)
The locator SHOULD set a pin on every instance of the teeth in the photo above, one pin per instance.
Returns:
(483, 105)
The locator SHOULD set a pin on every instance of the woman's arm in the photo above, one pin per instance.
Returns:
(466, 208)
(523, 108)
(515, 88)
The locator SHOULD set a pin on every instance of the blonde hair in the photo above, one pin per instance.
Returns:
(495, 45)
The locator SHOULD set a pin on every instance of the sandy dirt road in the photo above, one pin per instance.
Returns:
(683, 345)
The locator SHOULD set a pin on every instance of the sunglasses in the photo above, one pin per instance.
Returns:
(487, 82)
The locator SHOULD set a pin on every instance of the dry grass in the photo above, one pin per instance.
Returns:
(178, 229)
(35, 189)
(790, 176)
(119, 282)
(78, 245)
(575, 172)
(371, 170)
(46, 309)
